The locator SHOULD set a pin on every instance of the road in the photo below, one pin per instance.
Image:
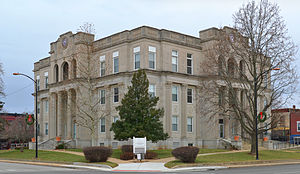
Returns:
(11, 168)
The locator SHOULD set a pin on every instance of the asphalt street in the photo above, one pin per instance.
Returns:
(11, 168)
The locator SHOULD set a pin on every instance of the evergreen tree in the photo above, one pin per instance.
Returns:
(138, 115)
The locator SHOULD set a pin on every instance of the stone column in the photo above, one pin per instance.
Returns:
(198, 113)
(107, 109)
(168, 108)
(59, 114)
(183, 103)
(69, 115)
(41, 120)
(52, 116)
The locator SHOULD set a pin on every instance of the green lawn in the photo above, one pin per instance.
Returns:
(43, 156)
(47, 156)
(240, 157)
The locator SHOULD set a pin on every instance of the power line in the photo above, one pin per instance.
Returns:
(17, 91)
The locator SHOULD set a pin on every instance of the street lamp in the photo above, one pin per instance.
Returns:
(255, 108)
(36, 117)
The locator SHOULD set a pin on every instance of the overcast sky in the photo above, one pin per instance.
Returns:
(28, 27)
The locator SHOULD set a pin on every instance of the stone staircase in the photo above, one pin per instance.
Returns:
(229, 144)
(51, 144)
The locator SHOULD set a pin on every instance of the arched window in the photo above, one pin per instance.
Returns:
(65, 68)
(55, 75)
(74, 68)
(220, 65)
(242, 68)
(231, 67)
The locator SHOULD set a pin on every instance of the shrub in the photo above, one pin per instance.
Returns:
(61, 146)
(127, 156)
(150, 155)
(127, 148)
(97, 153)
(186, 154)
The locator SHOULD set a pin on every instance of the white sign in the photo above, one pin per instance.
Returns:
(139, 145)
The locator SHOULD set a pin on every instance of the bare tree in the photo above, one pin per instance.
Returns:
(18, 130)
(88, 107)
(252, 66)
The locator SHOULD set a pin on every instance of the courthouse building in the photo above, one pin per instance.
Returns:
(174, 64)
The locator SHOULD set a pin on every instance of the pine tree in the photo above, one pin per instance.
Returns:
(138, 115)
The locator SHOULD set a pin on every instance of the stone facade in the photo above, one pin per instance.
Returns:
(174, 66)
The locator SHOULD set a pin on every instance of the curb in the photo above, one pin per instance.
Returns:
(72, 166)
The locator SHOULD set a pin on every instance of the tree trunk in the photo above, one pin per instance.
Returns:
(94, 139)
(253, 144)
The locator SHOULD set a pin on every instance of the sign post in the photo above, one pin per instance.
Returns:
(139, 147)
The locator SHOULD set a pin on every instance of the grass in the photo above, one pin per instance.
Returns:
(239, 157)
(43, 156)
(47, 156)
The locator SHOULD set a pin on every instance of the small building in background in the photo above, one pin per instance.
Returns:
(287, 126)
(16, 130)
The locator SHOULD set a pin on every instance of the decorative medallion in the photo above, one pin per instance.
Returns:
(64, 42)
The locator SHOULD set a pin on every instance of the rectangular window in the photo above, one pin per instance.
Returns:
(38, 108)
(152, 90)
(115, 119)
(174, 93)
(116, 95)
(189, 64)
(102, 66)
(152, 57)
(46, 80)
(46, 129)
(102, 96)
(174, 61)
(102, 125)
(189, 124)
(298, 126)
(189, 95)
(137, 58)
(221, 127)
(46, 106)
(74, 130)
(38, 82)
(221, 96)
(174, 123)
(116, 61)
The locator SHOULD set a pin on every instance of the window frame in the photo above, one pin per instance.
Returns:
(174, 57)
(46, 129)
(102, 69)
(189, 125)
(102, 126)
(298, 123)
(116, 57)
(116, 95)
(137, 52)
(38, 85)
(175, 125)
(115, 119)
(46, 106)
(102, 98)
(46, 82)
(152, 50)
(191, 67)
(189, 96)
(175, 87)
(154, 90)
